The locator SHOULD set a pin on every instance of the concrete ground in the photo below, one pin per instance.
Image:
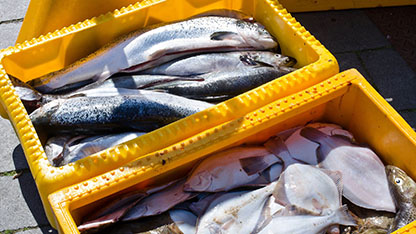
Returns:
(353, 36)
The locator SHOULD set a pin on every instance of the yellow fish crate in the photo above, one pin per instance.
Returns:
(55, 50)
(346, 99)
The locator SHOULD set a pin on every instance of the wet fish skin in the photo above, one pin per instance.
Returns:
(144, 112)
(154, 45)
(213, 62)
(299, 224)
(159, 202)
(91, 145)
(360, 167)
(277, 146)
(235, 212)
(403, 189)
(220, 84)
(223, 171)
(310, 188)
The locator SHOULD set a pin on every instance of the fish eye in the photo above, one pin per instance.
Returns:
(398, 181)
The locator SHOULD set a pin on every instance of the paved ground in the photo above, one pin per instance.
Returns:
(353, 36)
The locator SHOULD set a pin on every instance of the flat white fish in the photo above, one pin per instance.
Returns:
(277, 146)
(310, 188)
(301, 224)
(153, 46)
(363, 174)
(185, 220)
(230, 169)
(235, 212)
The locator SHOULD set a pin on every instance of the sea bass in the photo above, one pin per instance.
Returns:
(235, 212)
(403, 189)
(144, 112)
(221, 85)
(300, 224)
(155, 45)
(363, 174)
(230, 169)
(78, 149)
(213, 62)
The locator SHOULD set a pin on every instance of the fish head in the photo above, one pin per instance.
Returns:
(199, 182)
(266, 58)
(402, 187)
(255, 35)
(42, 115)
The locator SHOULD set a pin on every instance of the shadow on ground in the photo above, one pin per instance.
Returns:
(30, 191)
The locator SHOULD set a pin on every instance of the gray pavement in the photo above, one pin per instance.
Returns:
(349, 35)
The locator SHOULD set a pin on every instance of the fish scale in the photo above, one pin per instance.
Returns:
(145, 111)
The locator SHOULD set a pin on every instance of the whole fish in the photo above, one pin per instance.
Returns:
(228, 169)
(212, 62)
(157, 44)
(221, 85)
(403, 189)
(235, 212)
(171, 222)
(310, 188)
(300, 224)
(87, 146)
(363, 174)
(144, 112)
(159, 202)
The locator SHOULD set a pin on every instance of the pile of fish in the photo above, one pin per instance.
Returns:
(150, 78)
(309, 179)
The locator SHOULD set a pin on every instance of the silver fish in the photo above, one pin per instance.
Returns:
(144, 112)
(221, 85)
(159, 202)
(235, 212)
(229, 169)
(212, 62)
(300, 224)
(364, 178)
(54, 147)
(91, 145)
(155, 45)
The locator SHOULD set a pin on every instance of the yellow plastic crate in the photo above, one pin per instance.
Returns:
(346, 99)
(56, 50)
(325, 5)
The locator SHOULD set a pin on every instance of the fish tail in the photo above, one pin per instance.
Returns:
(343, 217)
(313, 134)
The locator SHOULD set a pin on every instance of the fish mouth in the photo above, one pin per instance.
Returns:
(289, 61)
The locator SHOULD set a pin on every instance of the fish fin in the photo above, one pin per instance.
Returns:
(292, 210)
(279, 192)
(265, 216)
(343, 217)
(313, 134)
(219, 36)
(343, 138)
(248, 61)
(260, 181)
(319, 155)
(253, 165)
(336, 176)
(279, 148)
